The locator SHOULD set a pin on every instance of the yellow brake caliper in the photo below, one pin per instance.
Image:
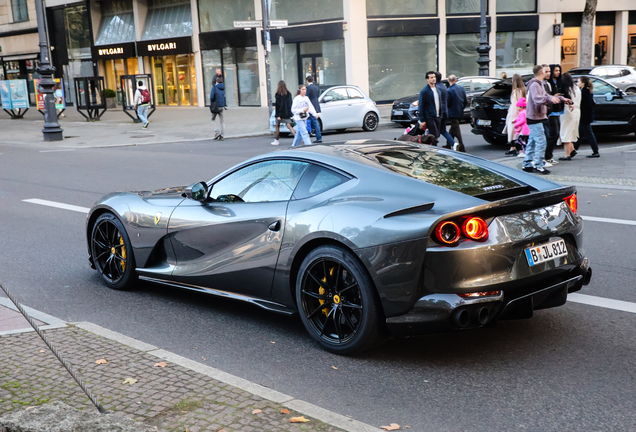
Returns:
(123, 253)
(322, 291)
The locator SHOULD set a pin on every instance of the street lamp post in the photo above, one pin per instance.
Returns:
(483, 49)
(268, 46)
(52, 130)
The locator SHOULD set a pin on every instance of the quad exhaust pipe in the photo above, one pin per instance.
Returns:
(461, 318)
(478, 316)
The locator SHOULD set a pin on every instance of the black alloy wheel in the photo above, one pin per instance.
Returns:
(370, 122)
(112, 252)
(337, 302)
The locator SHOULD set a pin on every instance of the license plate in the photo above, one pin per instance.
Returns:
(546, 252)
(481, 122)
(398, 112)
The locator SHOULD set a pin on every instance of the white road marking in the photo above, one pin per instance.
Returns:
(602, 302)
(608, 220)
(57, 205)
(51, 151)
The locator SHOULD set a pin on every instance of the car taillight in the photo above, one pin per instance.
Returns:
(475, 228)
(472, 227)
(447, 232)
(480, 294)
(572, 202)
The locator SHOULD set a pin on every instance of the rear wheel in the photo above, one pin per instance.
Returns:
(112, 252)
(336, 300)
(631, 91)
(370, 122)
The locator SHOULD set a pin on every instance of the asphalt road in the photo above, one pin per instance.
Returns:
(571, 368)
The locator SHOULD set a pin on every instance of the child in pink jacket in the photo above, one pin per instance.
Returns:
(521, 126)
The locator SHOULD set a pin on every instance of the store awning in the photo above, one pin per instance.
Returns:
(168, 22)
(31, 56)
(116, 29)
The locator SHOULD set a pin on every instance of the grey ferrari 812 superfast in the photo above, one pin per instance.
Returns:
(363, 239)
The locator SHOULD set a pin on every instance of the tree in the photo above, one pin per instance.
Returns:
(587, 33)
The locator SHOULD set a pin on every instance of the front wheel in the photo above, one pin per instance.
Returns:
(112, 252)
(631, 91)
(370, 122)
(336, 301)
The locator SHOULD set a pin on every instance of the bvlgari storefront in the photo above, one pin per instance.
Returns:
(117, 60)
(172, 67)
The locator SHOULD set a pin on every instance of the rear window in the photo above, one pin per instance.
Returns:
(499, 91)
(443, 170)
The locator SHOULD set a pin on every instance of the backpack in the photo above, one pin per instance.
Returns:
(145, 96)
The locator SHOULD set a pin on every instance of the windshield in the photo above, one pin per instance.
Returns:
(443, 170)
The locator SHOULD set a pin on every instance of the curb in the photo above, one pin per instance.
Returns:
(53, 322)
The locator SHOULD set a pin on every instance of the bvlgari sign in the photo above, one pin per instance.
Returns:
(182, 45)
(115, 51)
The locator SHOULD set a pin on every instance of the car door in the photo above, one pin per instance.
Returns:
(231, 241)
(335, 108)
(358, 106)
(615, 111)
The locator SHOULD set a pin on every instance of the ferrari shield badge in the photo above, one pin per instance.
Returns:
(157, 217)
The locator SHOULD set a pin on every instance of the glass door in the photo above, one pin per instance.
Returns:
(171, 80)
(183, 74)
(312, 65)
(157, 65)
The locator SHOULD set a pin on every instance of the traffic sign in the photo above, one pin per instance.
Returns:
(278, 23)
(248, 24)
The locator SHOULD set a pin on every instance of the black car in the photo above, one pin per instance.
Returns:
(615, 111)
(404, 110)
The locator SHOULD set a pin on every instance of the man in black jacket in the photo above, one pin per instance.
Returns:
(457, 101)
(313, 91)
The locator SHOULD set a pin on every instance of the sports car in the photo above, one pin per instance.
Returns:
(363, 239)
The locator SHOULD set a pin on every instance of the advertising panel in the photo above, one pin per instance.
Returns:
(19, 94)
(4, 95)
(60, 102)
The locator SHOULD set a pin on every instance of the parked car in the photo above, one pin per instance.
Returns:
(404, 110)
(623, 77)
(362, 240)
(615, 111)
(343, 107)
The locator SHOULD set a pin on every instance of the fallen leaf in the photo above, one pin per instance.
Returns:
(257, 411)
(220, 430)
(203, 357)
(333, 367)
(139, 403)
(300, 419)
(42, 351)
(285, 411)
(393, 426)
(407, 427)
(184, 412)
(162, 364)
(130, 381)
(609, 194)
(28, 408)
(101, 361)
(272, 342)
(604, 196)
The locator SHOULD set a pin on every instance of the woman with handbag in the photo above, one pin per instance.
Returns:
(301, 108)
(283, 110)
(571, 117)
(217, 105)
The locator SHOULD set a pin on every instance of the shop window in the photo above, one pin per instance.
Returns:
(512, 6)
(604, 45)
(167, 20)
(570, 53)
(516, 52)
(463, 7)
(287, 70)
(240, 73)
(20, 10)
(381, 8)
(333, 54)
(398, 65)
(300, 11)
(461, 57)
(77, 32)
(216, 15)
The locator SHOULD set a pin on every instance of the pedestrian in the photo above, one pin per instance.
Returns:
(302, 108)
(587, 116)
(518, 92)
(443, 92)
(537, 100)
(457, 101)
(217, 106)
(283, 110)
(141, 103)
(521, 124)
(216, 77)
(430, 106)
(504, 76)
(313, 92)
(554, 117)
(571, 118)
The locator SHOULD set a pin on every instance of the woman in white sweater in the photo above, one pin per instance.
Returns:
(571, 118)
(300, 107)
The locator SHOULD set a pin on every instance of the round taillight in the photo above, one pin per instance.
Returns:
(447, 232)
(475, 228)
(572, 202)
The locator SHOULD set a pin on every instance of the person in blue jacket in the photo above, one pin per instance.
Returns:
(457, 101)
(443, 91)
(430, 106)
(218, 95)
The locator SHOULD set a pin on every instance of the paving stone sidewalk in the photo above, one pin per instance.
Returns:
(163, 393)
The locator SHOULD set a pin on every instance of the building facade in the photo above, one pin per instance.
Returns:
(385, 48)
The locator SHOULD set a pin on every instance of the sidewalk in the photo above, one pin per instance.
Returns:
(167, 391)
(167, 125)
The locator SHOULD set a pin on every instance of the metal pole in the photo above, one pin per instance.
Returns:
(268, 45)
(483, 49)
(281, 45)
(52, 130)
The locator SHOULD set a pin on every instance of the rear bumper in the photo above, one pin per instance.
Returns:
(437, 313)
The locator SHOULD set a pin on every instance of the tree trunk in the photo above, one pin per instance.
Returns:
(587, 34)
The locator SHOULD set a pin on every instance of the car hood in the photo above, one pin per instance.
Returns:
(407, 99)
(170, 192)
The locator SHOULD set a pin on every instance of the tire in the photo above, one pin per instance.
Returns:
(631, 91)
(493, 140)
(112, 252)
(370, 122)
(337, 301)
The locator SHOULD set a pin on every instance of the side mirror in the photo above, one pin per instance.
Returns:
(198, 191)
(327, 99)
(609, 97)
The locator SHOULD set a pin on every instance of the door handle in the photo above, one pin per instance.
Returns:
(274, 226)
